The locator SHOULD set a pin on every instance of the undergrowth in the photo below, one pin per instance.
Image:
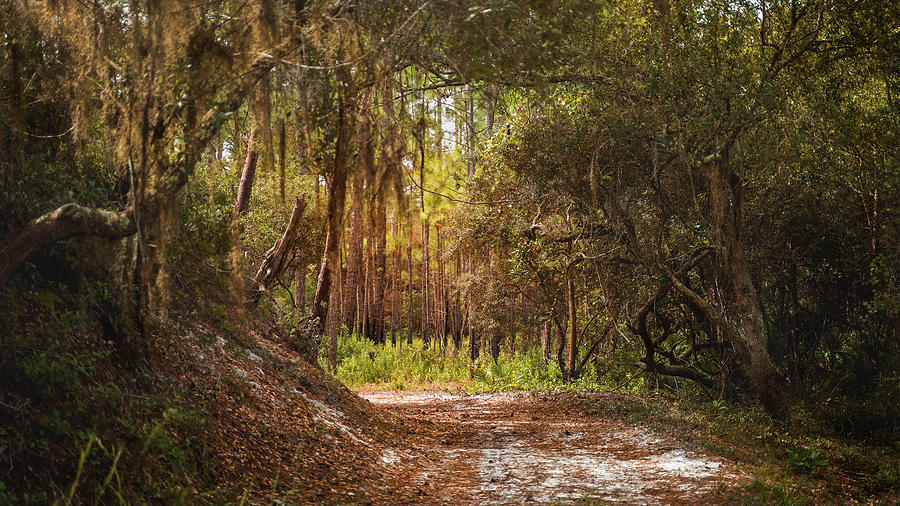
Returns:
(360, 362)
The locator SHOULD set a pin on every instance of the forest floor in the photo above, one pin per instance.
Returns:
(518, 448)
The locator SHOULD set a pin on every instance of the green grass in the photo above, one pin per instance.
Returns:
(361, 362)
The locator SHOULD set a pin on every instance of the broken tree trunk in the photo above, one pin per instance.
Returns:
(276, 258)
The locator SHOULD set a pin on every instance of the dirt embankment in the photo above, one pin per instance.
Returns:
(281, 429)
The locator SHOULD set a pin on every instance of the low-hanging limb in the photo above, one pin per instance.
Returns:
(70, 220)
(73, 220)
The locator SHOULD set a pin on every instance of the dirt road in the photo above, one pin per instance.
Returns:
(519, 448)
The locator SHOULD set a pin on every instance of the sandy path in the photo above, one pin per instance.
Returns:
(517, 448)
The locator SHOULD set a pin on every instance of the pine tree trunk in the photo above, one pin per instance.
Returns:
(337, 190)
(573, 330)
(546, 329)
(242, 202)
(379, 266)
(281, 154)
(409, 287)
(352, 287)
(300, 288)
(395, 272)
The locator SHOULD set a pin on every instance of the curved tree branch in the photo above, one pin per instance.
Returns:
(70, 220)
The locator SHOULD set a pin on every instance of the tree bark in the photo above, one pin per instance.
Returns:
(242, 202)
(395, 273)
(546, 336)
(354, 254)
(573, 329)
(726, 201)
(409, 287)
(300, 288)
(337, 190)
(379, 266)
(282, 151)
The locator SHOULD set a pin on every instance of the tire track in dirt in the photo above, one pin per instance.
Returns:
(520, 448)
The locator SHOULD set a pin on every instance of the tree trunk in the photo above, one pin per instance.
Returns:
(409, 288)
(300, 288)
(354, 255)
(70, 220)
(573, 329)
(379, 265)
(495, 347)
(333, 330)
(281, 154)
(395, 272)
(276, 258)
(242, 203)
(337, 190)
(546, 337)
(726, 202)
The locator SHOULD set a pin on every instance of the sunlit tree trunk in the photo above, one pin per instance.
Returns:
(426, 277)
(245, 187)
(379, 261)
(409, 288)
(395, 273)
(546, 336)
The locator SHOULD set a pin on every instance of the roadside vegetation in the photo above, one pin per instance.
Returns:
(819, 452)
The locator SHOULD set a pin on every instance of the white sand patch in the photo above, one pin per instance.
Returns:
(330, 416)
(527, 459)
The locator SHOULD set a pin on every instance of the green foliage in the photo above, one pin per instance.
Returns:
(85, 428)
(805, 460)
(867, 416)
(360, 361)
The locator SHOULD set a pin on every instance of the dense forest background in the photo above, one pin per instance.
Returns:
(696, 196)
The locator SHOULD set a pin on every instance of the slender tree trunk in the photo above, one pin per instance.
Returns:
(426, 277)
(380, 264)
(282, 150)
(409, 287)
(457, 307)
(333, 324)
(336, 196)
(300, 287)
(473, 346)
(395, 272)
(546, 336)
(367, 288)
(354, 255)
(242, 203)
(573, 329)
